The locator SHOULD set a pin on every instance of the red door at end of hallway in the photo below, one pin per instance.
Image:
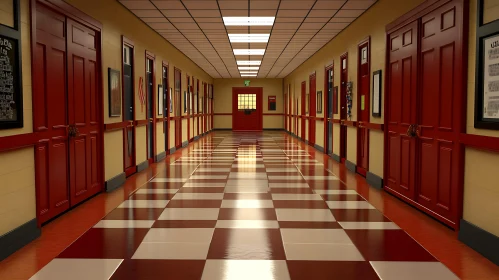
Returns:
(363, 105)
(247, 109)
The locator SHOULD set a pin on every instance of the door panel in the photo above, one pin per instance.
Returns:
(402, 87)
(363, 108)
(82, 97)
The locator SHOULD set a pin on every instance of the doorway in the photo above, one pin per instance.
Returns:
(128, 107)
(343, 106)
(178, 108)
(313, 110)
(247, 114)
(425, 110)
(166, 109)
(303, 111)
(363, 106)
(67, 92)
(329, 110)
(150, 108)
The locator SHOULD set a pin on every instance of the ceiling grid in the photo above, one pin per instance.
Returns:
(202, 31)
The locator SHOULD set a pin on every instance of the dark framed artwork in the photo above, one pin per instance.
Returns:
(376, 99)
(114, 92)
(11, 91)
(487, 68)
(319, 102)
(161, 99)
(335, 100)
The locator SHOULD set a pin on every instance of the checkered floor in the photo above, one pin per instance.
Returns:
(245, 206)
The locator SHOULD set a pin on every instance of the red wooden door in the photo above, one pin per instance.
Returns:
(303, 110)
(329, 111)
(402, 90)
(313, 110)
(83, 105)
(205, 99)
(363, 93)
(50, 115)
(343, 105)
(441, 114)
(128, 110)
(247, 114)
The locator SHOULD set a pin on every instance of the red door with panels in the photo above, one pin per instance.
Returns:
(343, 106)
(68, 162)
(425, 114)
(128, 107)
(247, 109)
(363, 111)
(313, 110)
(303, 110)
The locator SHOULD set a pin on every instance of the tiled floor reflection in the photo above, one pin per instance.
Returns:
(245, 206)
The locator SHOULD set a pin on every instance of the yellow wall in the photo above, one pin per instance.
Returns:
(118, 21)
(369, 24)
(17, 172)
(222, 99)
(481, 190)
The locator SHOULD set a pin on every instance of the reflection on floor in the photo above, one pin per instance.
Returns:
(247, 206)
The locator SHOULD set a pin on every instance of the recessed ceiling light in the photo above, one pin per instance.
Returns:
(248, 75)
(248, 72)
(249, 62)
(249, 21)
(249, 68)
(249, 51)
(249, 38)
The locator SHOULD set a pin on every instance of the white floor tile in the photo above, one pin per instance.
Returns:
(176, 251)
(320, 178)
(305, 215)
(247, 183)
(248, 165)
(208, 169)
(248, 175)
(179, 235)
(272, 170)
(369, 225)
(124, 224)
(189, 214)
(290, 177)
(245, 189)
(156, 191)
(247, 224)
(203, 185)
(245, 270)
(200, 196)
(292, 196)
(247, 203)
(288, 185)
(168, 180)
(208, 177)
(315, 236)
(322, 252)
(349, 205)
(335, 192)
(144, 204)
(413, 271)
(78, 269)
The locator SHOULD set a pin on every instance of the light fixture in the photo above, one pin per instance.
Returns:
(248, 67)
(248, 72)
(249, 62)
(249, 51)
(249, 38)
(248, 75)
(249, 21)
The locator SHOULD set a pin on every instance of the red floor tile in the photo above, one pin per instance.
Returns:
(134, 214)
(202, 190)
(342, 197)
(167, 185)
(300, 204)
(257, 196)
(184, 224)
(320, 225)
(200, 203)
(291, 190)
(159, 269)
(151, 196)
(247, 214)
(328, 270)
(359, 215)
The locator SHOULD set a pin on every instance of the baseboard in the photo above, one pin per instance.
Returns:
(172, 150)
(161, 156)
(274, 129)
(374, 180)
(142, 166)
(18, 238)
(196, 137)
(480, 240)
(351, 166)
(336, 157)
(222, 129)
(185, 144)
(319, 148)
(115, 182)
(306, 141)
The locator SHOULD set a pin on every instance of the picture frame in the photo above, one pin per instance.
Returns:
(335, 100)
(161, 98)
(114, 92)
(11, 89)
(487, 71)
(376, 98)
(319, 102)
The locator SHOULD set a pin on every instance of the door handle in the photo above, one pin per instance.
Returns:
(151, 119)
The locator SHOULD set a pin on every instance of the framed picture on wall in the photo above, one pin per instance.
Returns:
(487, 67)
(376, 94)
(335, 100)
(114, 94)
(160, 100)
(319, 102)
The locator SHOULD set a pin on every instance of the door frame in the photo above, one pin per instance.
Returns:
(361, 170)
(408, 18)
(325, 106)
(166, 113)
(312, 109)
(303, 121)
(129, 43)
(343, 128)
(69, 11)
(151, 56)
(259, 103)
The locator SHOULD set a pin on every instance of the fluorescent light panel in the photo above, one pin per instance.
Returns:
(248, 75)
(249, 21)
(248, 72)
(248, 67)
(249, 38)
(249, 51)
(249, 62)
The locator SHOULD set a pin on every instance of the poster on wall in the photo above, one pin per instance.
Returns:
(114, 88)
(491, 78)
(376, 94)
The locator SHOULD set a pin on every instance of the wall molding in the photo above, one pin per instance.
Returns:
(351, 166)
(143, 165)
(374, 180)
(480, 240)
(336, 157)
(115, 182)
(186, 143)
(17, 238)
(319, 148)
(159, 157)
(172, 150)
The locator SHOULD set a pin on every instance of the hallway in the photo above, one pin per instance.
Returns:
(245, 206)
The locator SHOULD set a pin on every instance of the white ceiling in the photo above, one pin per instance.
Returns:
(196, 28)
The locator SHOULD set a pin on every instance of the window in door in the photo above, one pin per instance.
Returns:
(246, 102)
